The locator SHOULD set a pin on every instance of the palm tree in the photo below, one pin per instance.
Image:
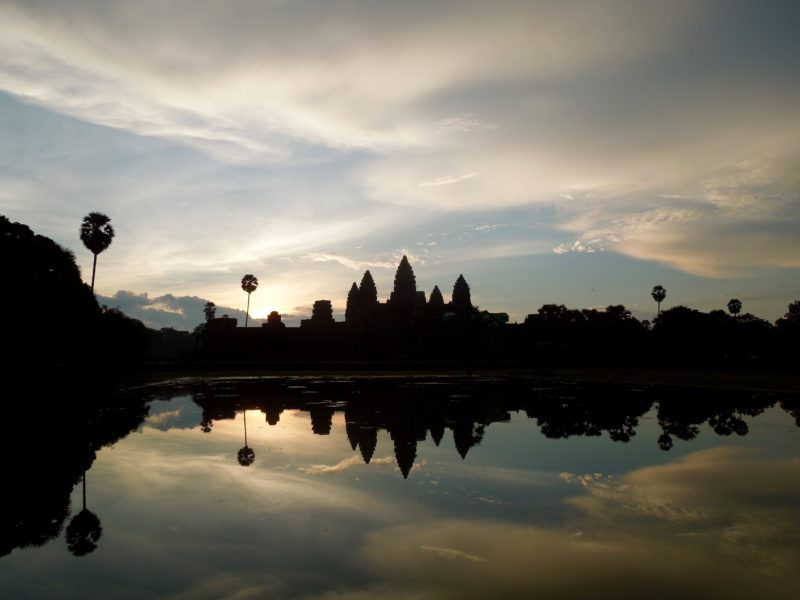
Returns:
(246, 455)
(209, 310)
(659, 293)
(96, 235)
(249, 285)
(734, 306)
(84, 531)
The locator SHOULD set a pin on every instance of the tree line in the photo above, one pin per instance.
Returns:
(412, 328)
(71, 327)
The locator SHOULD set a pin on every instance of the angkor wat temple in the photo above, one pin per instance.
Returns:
(408, 325)
(412, 329)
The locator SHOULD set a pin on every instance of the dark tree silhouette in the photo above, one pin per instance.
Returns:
(462, 301)
(658, 294)
(791, 320)
(618, 312)
(734, 306)
(793, 313)
(246, 455)
(404, 293)
(84, 531)
(249, 285)
(34, 262)
(352, 312)
(206, 424)
(96, 235)
(209, 310)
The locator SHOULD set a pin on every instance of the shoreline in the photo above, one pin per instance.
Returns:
(761, 381)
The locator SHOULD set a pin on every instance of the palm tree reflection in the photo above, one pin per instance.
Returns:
(246, 455)
(84, 530)
(468, 410)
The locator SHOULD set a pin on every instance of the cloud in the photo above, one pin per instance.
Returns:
(344, 465)
(257, 90)
(556, 562)
(448, 179)
(178, 413)
(736, 219)
(719, 522)
(180, 312)
(452, 554)
(357, 265)
(741, 504)
(463, 123)
(576, 246)
(491, 227)
(231, 139)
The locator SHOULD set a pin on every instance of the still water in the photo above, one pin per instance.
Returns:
(403, 488)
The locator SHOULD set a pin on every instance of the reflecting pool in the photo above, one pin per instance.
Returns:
(402, 488)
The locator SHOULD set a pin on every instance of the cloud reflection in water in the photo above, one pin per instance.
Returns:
(716, 523)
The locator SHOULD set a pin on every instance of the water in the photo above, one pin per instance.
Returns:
(474, 488)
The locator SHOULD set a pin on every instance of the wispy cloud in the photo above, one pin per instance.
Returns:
(448, 179)
(485, 228)
(230, 148)
(462, 123)
(350, 263)
(452, 554)
(254, 90)
(344, 465)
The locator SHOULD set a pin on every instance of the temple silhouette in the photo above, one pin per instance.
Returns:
(408, 329)
(407, 326)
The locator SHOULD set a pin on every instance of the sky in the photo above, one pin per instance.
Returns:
(552, 152)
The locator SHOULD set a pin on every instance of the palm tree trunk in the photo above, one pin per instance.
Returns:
(247, 314)
(84, 490)
(659, 309)
(244, 414)
(94, 268)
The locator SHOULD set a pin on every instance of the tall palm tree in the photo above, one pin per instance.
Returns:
(84, 530)
(734, 306)
(246, 455)
(96, 235)
(659, 293)
(249, 285)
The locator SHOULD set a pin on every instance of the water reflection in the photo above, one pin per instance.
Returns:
(438, 519)
(246, 454)
(410, 410)
(716, 523)
(42, 475)
(84, 530)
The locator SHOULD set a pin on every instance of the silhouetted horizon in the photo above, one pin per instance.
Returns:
(408, 327)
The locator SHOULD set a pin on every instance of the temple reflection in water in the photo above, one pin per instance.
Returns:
(639, 472)
(410, 410)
